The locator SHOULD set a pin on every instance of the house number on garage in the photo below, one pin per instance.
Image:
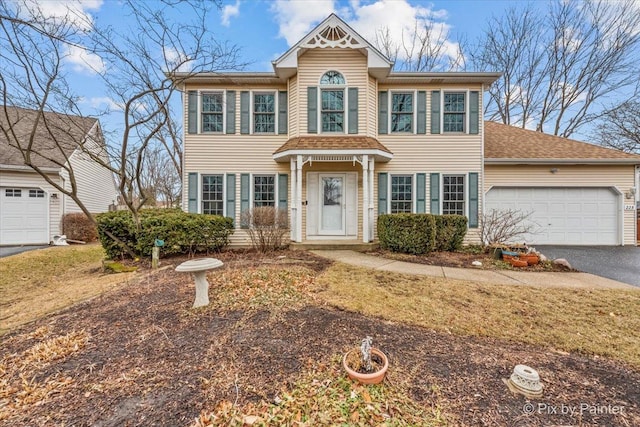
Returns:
(629, 207)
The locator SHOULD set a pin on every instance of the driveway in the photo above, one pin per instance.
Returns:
(12, 250)
(621, 263)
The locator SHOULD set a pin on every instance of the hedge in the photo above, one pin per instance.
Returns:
(76, 226)
(450, 232)
(421, 233)
(408, 233)
(183, 233)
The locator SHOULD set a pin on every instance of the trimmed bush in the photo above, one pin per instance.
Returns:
(450, 232)
(76, 226)
(183, 233)
(408, 233)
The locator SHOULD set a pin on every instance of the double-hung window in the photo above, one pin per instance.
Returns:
(453, 194)
(264, 190)
(401, 194)
(402, 112)
(212, 112)
(264, 113)
(332, 112)
(454, 114)
(212, 195)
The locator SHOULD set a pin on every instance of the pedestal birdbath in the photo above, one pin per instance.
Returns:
(199, 268)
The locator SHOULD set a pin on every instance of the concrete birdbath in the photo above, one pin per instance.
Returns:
(199, 268)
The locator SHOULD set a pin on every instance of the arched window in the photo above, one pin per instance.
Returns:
(332, 102)
(332, 78)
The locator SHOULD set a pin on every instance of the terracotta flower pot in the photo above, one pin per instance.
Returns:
(372, 378)
(518, 262)
(532, 259)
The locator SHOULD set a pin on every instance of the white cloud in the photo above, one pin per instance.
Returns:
(176, 61)
(297, 18)
(230, 11)
(101, 101)
(84, 61)
(76, 11)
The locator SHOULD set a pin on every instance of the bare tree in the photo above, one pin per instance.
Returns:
(560, 69)
(133, 65)
(499, 227)
(426, 47)
(619, 128)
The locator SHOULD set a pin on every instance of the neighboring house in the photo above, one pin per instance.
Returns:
(336, 137)
(30, 208)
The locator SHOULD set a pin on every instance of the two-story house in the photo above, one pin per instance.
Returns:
(336, 137)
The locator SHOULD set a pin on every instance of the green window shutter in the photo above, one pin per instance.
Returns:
(421, 183)
(193, 112)
(435, 111)
(383, 112)
(421, 120)
(312, 110)
(382, 193)
(231, 196)
(231, 111)
(282, 113)
(193, 192)
(245, 189)
(244, 112)
(473, 200)
(474, 112)
(353, 110)
(283, 188)
(434, 193)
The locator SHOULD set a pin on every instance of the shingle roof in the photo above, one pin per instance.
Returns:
(332, 143)
(508, 142)
(68, 131)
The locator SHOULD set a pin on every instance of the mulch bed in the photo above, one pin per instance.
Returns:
(152, 360)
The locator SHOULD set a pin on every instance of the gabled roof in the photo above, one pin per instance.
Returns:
(68, 131)
(333, 32)
(504, 144)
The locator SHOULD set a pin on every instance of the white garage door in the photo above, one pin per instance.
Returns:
(23, 216)
(563, 216)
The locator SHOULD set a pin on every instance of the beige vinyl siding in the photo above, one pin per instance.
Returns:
(32, 180)
(294, 126)
(372, 108)
(353, 66)
(620, 177)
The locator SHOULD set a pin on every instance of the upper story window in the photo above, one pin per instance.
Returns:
(264, 113)
(402, 112)
(332, 78)
(212, 112)
(454, 115)
(332, 102)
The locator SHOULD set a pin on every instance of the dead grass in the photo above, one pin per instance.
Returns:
(598, 322)
(36, 283)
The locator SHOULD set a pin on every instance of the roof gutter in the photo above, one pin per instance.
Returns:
(24, 168)
(524, 161)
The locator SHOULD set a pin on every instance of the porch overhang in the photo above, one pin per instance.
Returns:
(332, 149)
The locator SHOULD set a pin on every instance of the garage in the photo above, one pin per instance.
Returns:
(563, 216)
(24, 216)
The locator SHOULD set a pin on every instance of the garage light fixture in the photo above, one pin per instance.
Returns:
(54, 195)
(553, 170)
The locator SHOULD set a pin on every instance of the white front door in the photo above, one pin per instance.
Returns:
(332, 200)
(332, 204)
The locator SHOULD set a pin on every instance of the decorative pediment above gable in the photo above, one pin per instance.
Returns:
(333, 32)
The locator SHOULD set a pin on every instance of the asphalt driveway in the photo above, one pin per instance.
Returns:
(621, 263)
(12, 250)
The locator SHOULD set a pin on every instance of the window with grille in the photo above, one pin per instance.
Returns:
(13, 192)
(264, 190)
(401, 194)
(332, 110)
(212, 112)
(212, 195)
(402, 112)
(453, 194)
(453, 119)
(264, 113)
(36, 193)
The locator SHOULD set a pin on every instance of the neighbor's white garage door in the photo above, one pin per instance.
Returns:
(563, 216)
(23, 216)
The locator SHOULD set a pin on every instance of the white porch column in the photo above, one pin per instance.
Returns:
(299, 198)
(293, 217)
(371, 207)
(365, 198)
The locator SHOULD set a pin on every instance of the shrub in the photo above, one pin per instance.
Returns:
(267, 227)
(408, 233)
(450, 232)
(76, 226)
(505, 226)
(183, 233)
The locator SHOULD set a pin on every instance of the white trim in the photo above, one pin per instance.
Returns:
(350, 152)
(577, 161)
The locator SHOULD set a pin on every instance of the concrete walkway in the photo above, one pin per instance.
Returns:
(506, 277)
